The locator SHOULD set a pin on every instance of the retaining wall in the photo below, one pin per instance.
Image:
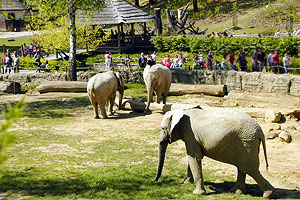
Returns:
(241, 81)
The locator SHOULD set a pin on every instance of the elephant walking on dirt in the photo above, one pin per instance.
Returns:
(226, 135)
(157, 78)
(102, 89)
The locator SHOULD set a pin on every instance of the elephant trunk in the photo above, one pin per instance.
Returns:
(161, 157)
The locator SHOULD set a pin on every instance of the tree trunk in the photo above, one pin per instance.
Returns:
(72, 56)
(137, 3)
(195, 5)
(212, 90)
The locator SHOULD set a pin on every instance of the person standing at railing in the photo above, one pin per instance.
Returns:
(270, 61)
(154, 57)
(108, 61)
(242, 61)
(142, 61)
(16, 61)
(276, 62)
(286, 63)
(8, 63)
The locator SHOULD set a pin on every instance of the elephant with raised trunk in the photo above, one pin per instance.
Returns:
(157, 78)
(102, 89)
(226, 135)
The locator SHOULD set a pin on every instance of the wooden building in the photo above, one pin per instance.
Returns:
(122, 14)
(12, 13)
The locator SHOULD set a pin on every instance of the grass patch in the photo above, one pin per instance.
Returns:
(135, 91)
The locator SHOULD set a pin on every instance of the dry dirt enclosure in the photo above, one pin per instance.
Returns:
(284, 158)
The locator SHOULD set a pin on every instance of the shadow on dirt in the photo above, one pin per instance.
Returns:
(253, 190)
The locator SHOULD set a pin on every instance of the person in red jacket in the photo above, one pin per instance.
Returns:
(231, 59)
(276, 62)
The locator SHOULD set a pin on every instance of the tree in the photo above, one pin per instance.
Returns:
(195, 5)
(56, 22)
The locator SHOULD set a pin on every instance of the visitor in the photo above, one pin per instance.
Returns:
(175, 63)
(231, 59)
(196, 62)
(167, 62)
(224, 62)
(16, 62)
(275, 62)
(297, 32)
(209, 60)
(286, 63)
(277, 33)
(242, 61)
(150, 61)
(108, 60)
(270, 61)
(181, 60)
(127, 62)
(154, 57)
(37, 63)
(142, 61)
(261, 59)
(201, 61)
(254, 60)
(30, 49)
(8, 64)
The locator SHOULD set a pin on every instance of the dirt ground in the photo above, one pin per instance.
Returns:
(284, 158)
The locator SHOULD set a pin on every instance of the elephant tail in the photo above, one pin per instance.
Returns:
(263, 141)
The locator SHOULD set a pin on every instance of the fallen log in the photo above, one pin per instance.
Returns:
(140, 106)
(213, 90)
(62, 86)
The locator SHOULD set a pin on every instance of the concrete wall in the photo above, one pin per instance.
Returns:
(241, 81)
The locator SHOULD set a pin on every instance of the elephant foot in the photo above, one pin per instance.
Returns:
(199, 191)
(96, 117)
(237, 190)
(104, 117)
(110, 113)
(188, 180)
(268, 193)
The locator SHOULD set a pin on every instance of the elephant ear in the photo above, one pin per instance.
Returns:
(120, 79)
(172, 118)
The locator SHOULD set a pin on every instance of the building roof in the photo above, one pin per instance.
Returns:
(117, 12)
(12, 5)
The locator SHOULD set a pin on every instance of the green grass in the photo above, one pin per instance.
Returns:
(14, 45)
(136, 91)
(47, 163)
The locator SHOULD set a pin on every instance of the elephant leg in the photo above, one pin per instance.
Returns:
(189, 178)
(196, 168)
(240, 185)
(265, 186)
(158, 95)
(165, 98)
(95, 105)
(103, 111)
(111, 104)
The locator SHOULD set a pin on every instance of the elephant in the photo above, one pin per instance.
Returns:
(157, 78)
(224, 134)
(102, 88)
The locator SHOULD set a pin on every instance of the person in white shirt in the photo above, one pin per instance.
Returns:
(224, 62)
(154, 58)
(175, 63)
(277, 34)
(286, 63)
(270, 60)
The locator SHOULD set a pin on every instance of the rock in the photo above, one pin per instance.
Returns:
(272, 135)
(285, 137)
(273, 117)
(10, 87)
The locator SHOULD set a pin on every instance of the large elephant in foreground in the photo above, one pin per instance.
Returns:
(157, 78)
(226, 135)
(102, 89)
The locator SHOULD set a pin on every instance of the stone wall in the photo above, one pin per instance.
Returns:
(241, 81)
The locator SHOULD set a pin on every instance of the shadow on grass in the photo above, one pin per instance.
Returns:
(114, 183)
(253, 190)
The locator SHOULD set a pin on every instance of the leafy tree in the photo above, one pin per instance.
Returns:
(10, 117)
(58, 28)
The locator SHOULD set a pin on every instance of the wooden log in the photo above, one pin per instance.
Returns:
(213, 90)
(140, 106)
(62, 86)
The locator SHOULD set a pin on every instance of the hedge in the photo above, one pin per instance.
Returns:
(224, 46)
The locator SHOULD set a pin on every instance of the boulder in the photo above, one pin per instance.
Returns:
(272, 116)
(285, 137)
(10, 87)
(272, 135)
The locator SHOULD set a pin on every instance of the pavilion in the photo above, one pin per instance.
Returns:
(120, 13)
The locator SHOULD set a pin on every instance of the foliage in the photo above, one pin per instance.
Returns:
(27, 63)
(223, 46)
(10, 117)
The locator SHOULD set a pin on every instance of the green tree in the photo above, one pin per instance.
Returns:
(9, 117)
(58, 25)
